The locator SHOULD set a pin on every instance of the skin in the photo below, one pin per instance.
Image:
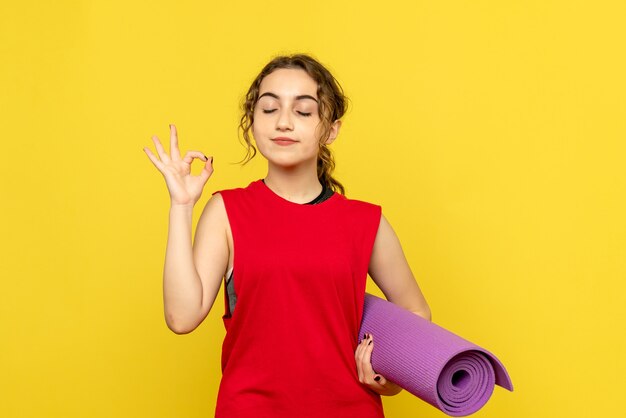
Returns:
(287, 107)
(193, 273)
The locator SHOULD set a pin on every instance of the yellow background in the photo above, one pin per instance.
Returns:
(491, 132)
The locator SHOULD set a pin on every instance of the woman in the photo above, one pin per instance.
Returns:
(294, 253)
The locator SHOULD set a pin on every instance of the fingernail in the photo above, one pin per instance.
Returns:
(377, 378)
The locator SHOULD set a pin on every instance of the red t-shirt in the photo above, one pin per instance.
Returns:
(300, 285)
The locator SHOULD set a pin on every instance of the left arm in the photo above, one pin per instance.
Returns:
(391, 272)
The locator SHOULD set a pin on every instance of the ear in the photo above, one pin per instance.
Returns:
(334, 131)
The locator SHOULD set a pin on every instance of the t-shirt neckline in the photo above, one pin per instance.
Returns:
(261, 184)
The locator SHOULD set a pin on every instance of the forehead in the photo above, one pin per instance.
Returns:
(288, 82)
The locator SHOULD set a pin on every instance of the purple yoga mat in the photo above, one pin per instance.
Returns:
(439, 367)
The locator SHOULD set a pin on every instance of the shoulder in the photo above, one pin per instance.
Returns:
(359, 214)
(216, 206)
(214, 209)
(360, 206)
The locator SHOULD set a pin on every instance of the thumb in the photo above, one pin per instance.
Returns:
(208, 169)
(380, 379)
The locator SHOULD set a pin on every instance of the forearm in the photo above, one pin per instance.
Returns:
(182, 287)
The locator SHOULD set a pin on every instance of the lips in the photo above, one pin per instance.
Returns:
(283, 140)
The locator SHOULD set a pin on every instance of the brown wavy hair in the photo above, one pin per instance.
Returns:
(333, 105)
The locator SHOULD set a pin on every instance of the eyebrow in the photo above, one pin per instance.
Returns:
(300, 97)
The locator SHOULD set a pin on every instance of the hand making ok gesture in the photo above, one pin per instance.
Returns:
(184, 189)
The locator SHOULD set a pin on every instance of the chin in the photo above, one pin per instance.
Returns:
(289, 163)
(284, 163)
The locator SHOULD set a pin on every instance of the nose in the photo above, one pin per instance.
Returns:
(284, 122)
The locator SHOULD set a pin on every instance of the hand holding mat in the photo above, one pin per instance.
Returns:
(437, 366)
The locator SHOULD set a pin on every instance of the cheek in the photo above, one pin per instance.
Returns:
(254, 131)
(319, 130)
(260, 123)
(257, 137)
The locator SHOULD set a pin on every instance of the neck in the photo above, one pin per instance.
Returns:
(298, 186)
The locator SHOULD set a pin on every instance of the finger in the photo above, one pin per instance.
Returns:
(358, 353)
(380, 379)
(190, 155)
(366, 360)
(207, 171)
(160, 150)
(174, 151)
(158, 164)
(363, 366)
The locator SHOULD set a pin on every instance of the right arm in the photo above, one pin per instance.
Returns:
(192, 273)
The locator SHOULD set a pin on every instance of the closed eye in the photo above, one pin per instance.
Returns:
(268, 110)
(305, 114)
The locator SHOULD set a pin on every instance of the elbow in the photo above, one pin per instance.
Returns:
(178, 326)
(179, 330)
(424, 313)
(429, 316)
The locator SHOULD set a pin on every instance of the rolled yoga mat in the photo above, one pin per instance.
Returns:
(439, 367)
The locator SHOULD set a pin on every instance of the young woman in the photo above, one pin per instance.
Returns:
(294, 254)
